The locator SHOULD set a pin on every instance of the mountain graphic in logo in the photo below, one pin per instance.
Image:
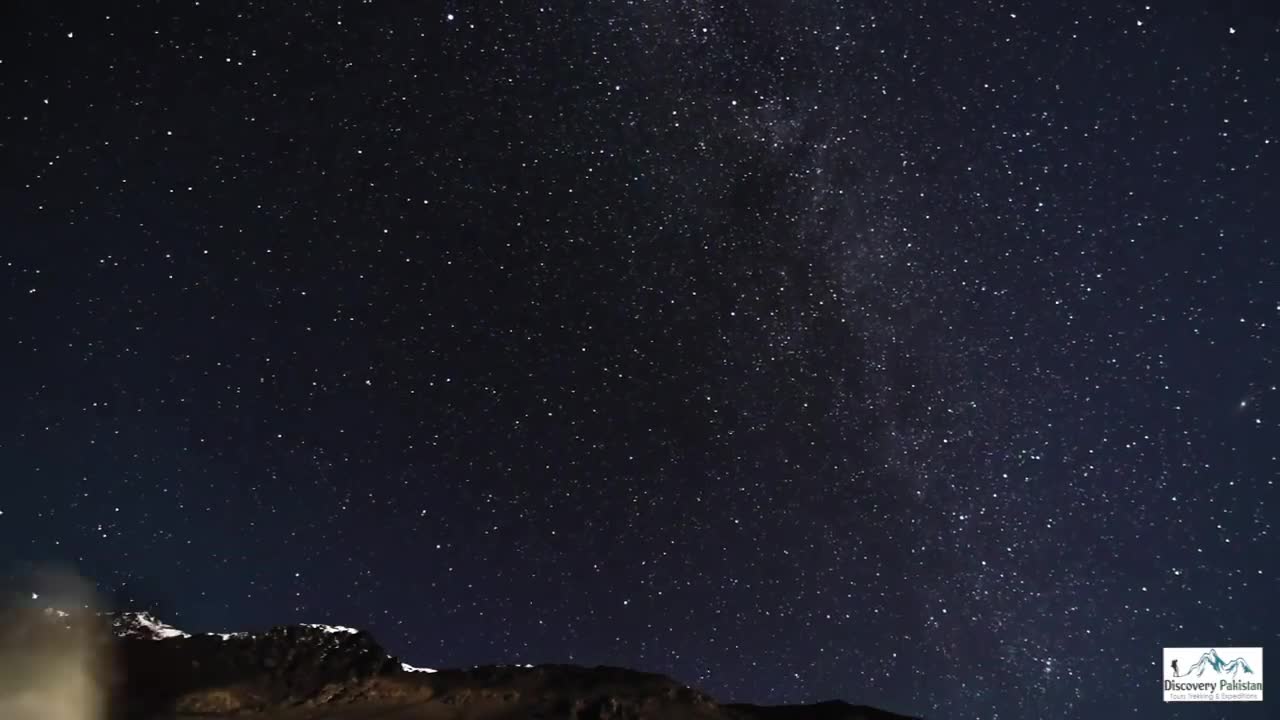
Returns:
(1212, 660)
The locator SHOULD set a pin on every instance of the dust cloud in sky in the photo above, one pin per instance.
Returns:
(51, 664)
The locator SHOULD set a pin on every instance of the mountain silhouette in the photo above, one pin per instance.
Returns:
(63, 664)
(1212, 660)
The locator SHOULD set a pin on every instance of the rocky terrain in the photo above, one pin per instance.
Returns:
(139, 668)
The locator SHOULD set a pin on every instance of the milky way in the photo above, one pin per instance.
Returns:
(919, 354)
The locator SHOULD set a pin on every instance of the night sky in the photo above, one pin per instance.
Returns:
(923, 354)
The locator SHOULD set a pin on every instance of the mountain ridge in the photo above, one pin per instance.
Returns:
(1213, 660)
(154, 671)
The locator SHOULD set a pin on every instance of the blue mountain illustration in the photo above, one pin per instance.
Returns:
(1212, 660)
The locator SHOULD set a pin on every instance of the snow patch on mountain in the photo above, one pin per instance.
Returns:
(145, 626)
(332, 629)
(141, 624)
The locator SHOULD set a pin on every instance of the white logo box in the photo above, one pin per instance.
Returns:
(1212, 674)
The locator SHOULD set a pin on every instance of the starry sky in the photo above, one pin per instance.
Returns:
(922, 354)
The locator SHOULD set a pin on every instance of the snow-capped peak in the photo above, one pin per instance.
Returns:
(141, 624)
(332, 629)
(146, 627)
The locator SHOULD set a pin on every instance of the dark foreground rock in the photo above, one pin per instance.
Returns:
(149, 671)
